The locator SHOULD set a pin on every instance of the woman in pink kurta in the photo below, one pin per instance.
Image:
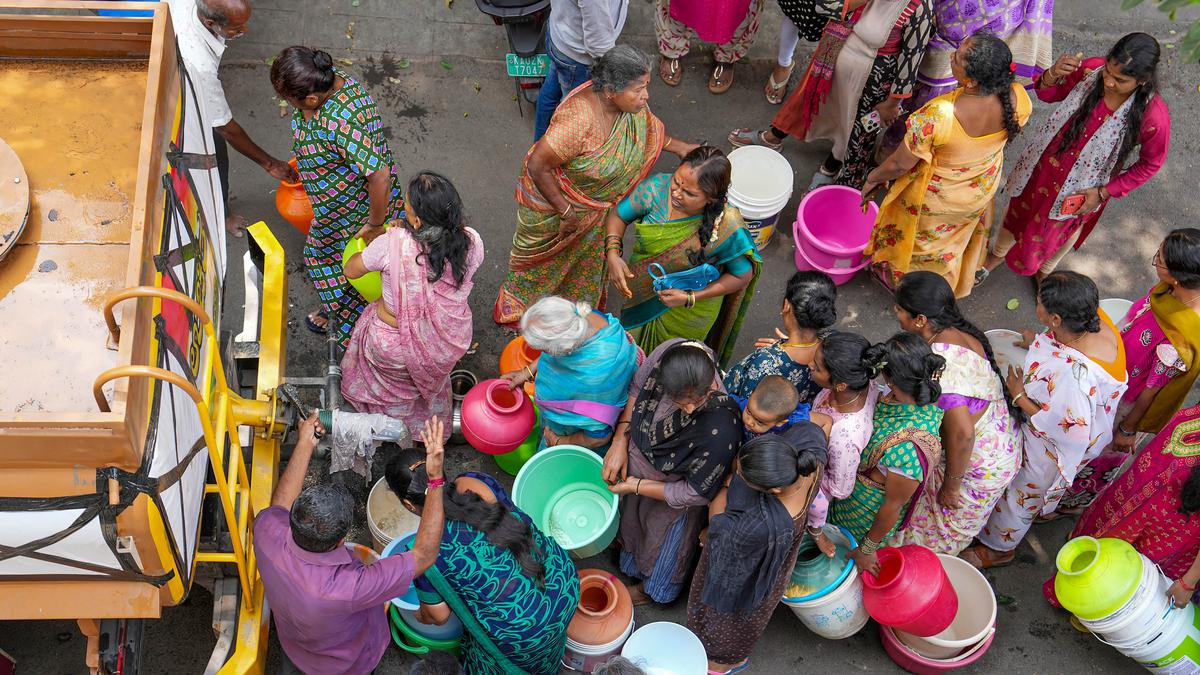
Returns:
(1108, 107)
(406, 343)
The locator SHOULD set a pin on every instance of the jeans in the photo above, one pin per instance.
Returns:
(564, 72)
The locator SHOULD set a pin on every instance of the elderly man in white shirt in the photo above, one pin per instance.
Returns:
(202, 27)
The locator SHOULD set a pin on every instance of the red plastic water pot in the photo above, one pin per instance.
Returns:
(495, 419)
(911, 592)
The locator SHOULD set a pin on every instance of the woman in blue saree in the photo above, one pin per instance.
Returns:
(514, 589)
(682, 220)
(582, 377)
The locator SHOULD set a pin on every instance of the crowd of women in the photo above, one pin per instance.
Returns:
(922, 438)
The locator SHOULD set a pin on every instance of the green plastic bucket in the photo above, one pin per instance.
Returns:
(562, 490)
(413, 642)
(511, 462)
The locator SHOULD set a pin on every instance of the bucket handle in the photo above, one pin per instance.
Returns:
(978, 645)
(398, 638)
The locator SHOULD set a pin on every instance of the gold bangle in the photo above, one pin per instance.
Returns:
(1018, 397)
(532, 375)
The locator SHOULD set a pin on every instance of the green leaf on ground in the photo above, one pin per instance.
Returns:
(447, 65)
(346, 62)
(403, 63)
(1013, 304)
(1005, 600)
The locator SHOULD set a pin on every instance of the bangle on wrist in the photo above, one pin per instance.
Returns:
(637, 489)
(1018, 397)
(434, 483)
(868, 546)
(1191, 588)
(1123, 432)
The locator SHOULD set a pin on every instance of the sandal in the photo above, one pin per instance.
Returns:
(983, 558)
(314, 326)
(981, 275)
(721, 79)
(774, 91)
(669, 71)
(736, 669)
(743, 137)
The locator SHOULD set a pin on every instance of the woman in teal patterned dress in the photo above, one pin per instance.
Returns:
(514, 589)
(683, 220)
(346, 169)
(904, 445)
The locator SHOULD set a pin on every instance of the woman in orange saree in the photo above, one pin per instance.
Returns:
(602, 141)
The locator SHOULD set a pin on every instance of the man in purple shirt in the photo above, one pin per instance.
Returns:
(329, 606)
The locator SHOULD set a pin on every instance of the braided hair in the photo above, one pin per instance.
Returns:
(1137, 54)
(502, 529)
(928, 294)
(713, 173)
(988, 61)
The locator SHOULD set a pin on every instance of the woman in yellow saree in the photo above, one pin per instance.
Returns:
(682, 220)
(602, 140)
(937, 213)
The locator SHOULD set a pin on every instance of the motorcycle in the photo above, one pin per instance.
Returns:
(524, 23)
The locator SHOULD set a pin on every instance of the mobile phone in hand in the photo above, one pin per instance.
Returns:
(1072, 204)
(872, 122)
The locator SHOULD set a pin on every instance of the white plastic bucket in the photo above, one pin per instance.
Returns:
(584, 658)
(760, 186)
(665, 648)
(836, 615)
(386, 516)
(1141, 616)
(974, 621)
(1173, 650)
(1116, 308)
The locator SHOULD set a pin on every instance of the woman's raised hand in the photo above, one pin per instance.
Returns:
(1065, 65)
(431, 436)
(1015, 382)
(618, 273)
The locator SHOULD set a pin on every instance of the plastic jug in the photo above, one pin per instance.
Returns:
(604, 611)
(495, 419)
(1096, 577)
(911, 592)
(516, 355)
(292, 203)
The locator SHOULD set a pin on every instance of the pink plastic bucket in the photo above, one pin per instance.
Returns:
(831, 228)
(839, 276)
(915, 663)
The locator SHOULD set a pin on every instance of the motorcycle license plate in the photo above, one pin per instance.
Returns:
(527, 66)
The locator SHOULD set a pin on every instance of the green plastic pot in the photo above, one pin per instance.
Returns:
(1096, 577)
(369, 285)
(413, 642)
(511, 462)
(563, 491)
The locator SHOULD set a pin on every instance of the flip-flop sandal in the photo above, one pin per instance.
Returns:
(742, 137)
(774, 91)
(721, 79)
(316, 327)
(984, 558)
(981, 275)
(669, 71)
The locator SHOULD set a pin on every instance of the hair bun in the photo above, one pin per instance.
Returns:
(322, 60)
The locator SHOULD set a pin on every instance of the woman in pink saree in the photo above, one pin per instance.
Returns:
(406, 343)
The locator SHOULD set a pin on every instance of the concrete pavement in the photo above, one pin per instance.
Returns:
(438, 76)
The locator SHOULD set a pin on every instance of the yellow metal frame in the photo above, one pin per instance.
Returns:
(242, 491)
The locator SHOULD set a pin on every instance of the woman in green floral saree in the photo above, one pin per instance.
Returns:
(682, 220)
(602, 140)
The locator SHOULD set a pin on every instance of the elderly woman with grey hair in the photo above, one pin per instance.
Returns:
(602, 142)
(583, 374)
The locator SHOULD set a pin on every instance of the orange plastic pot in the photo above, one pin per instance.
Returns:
(516, 355)
(605, 609)
(292, 203)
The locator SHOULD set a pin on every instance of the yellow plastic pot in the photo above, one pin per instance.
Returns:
(1096, 577)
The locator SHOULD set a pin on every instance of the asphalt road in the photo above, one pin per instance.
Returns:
(438, 76)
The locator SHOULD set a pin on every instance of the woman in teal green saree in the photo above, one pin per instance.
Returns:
(682, 220)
